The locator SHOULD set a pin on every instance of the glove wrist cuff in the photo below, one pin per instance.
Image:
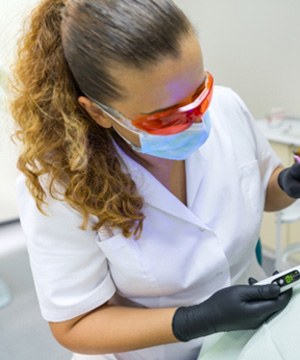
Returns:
(178, 325)
(280, 179)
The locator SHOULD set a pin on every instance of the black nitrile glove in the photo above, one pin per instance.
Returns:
(289, 181)
(238, 307)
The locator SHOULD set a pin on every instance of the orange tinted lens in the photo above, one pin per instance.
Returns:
(167, 125)
(174, 121)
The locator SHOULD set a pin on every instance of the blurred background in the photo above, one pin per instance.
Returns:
(250, 46)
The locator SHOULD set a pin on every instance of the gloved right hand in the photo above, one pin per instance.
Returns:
(238, 307)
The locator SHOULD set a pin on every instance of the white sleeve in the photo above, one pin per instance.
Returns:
(70, 271)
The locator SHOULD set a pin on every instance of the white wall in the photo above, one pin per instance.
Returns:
(8, 157)
(252, 46)
(11, 14)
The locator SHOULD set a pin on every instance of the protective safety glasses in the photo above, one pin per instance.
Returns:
(173, 120)
(179, 117)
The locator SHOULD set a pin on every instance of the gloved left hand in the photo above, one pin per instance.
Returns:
(289, 181)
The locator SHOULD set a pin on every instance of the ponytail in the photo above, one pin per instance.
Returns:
(59, 139)
(45, 107)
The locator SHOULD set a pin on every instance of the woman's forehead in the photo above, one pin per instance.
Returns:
(162, 85)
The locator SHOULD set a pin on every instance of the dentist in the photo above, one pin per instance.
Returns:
(143, 184)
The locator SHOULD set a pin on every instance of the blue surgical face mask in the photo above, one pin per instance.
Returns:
(178, 146)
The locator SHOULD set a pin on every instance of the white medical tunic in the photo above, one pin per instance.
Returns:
(185, 253)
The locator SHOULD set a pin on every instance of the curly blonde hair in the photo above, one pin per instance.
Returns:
(64, 53)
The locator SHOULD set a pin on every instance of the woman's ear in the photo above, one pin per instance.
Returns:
(94, 112)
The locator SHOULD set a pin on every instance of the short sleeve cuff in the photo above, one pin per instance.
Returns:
(100, 296)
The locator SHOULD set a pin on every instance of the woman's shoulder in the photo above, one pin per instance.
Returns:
(54, 209)
(226, 97)
(231, 109)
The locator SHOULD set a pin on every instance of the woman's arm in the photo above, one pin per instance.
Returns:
(276, 198)
(114, 329)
